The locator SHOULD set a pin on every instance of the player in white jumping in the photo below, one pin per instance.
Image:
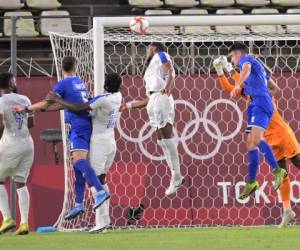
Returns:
(105, 112)
(16, 152)
(159, 78)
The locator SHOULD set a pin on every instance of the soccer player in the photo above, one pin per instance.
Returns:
(105, 113)
(159, 79)
(279, 134)
(73, 89)
(16, 152)
(254, 79)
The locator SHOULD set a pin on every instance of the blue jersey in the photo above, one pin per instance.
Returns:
(257, 82)
(72, 89)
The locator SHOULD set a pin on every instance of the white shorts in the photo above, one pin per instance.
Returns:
(160, 110)
(102, 153)
(16, 159)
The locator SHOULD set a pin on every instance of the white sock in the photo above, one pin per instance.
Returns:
(4, 207)
(24, 201)
(102, 213)
(171, 148)
(166, 154)
(104, 210)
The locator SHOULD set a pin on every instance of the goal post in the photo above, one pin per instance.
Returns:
(209, 127)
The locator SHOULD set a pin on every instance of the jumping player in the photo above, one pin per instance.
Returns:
(73, 89)
(16, 152)
(279, 135)
(159, 79)
(105, 113)
(254, 79)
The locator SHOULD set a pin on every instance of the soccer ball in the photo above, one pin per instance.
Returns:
(138, 25)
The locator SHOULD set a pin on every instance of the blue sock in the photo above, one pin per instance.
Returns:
(253, 164)
(79, 186)
(265, 148)
(88, 173)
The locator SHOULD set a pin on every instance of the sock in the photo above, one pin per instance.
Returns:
(166, 154)
(79, 187)
(88, 173)
(171, 152)
(265, 148)
(285, 193)
(253, 164)
(4, 207)
(24, 202)
(102, 213)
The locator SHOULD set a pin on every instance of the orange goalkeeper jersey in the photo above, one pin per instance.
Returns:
(279, 135)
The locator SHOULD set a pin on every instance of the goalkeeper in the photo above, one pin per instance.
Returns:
(278, 135)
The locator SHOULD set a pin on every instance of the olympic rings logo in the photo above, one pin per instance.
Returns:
(210, 127)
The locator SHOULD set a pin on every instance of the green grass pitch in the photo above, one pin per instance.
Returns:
(155, 239)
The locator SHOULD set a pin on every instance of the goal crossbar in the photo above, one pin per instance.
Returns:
(204, 20)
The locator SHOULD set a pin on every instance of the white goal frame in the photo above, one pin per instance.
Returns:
(105, 29)
(100, 23)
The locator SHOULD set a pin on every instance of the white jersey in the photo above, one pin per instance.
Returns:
(15, 123)
(155, 77)
(105, 113)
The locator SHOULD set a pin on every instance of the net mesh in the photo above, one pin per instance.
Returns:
(208, 127)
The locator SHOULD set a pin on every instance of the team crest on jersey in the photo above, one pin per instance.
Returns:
(252, 119)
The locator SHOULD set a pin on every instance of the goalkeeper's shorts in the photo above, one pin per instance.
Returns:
(102, 153)
(160, 110)
(16, 158)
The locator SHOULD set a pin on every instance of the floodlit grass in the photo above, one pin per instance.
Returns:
(156, 239)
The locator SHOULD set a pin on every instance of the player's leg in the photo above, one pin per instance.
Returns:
(256, 139)
(6, 165)
(8, 222)
(168, 143)
(20, 177)
(258, 121)
(102, 154)
(285, 194)
(292, 148)
(83, 173)
(24, 202)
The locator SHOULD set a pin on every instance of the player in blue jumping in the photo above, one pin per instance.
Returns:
(254, 79)
(72, 89)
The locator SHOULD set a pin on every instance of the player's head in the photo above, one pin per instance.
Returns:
(112, 82)
(156, 47)
(69, 64)
(236, 51)
(7, 83)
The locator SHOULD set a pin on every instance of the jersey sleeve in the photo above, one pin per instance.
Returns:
(244, 60)
(59, 88)
(98, 102)
(163, 57)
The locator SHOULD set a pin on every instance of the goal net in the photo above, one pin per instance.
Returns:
(209, 128)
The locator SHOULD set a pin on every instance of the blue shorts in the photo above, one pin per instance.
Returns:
(80, 141)
(257, 117)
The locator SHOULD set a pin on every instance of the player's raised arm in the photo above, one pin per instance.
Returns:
(220, 64)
